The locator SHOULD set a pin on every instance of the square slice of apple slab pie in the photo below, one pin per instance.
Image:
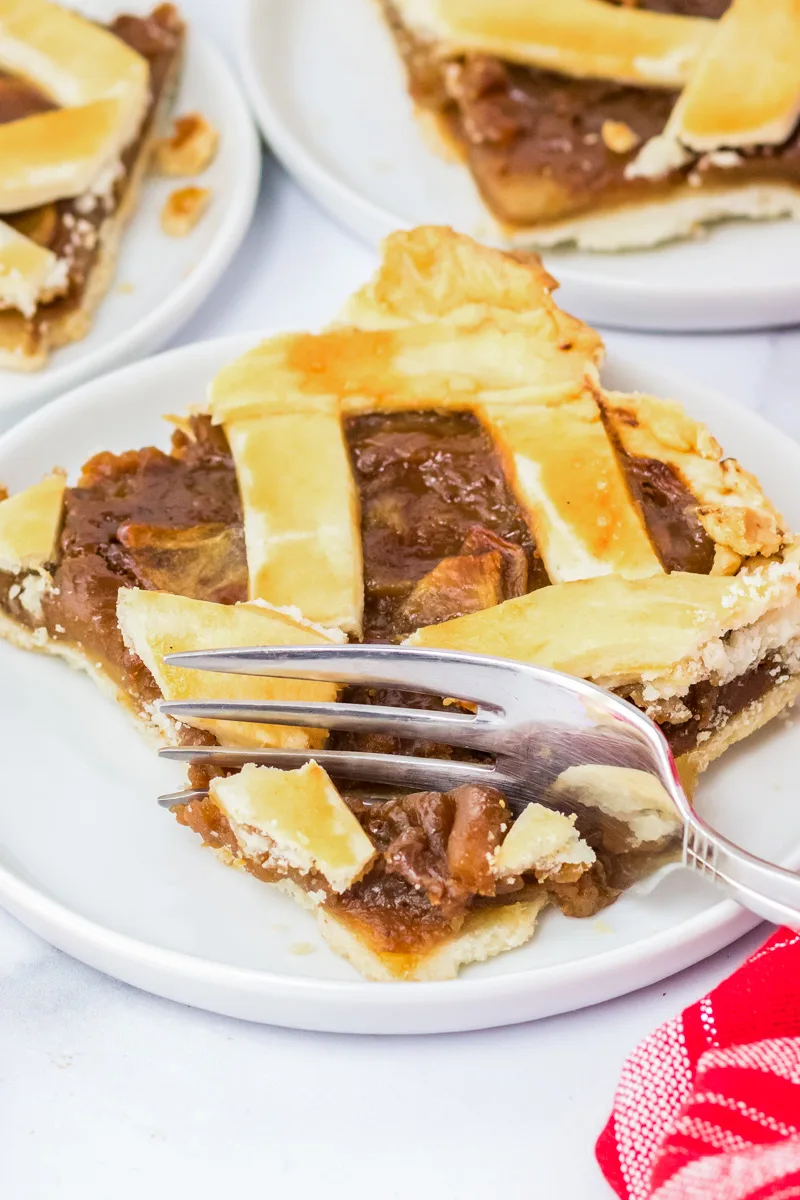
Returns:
(611, 124)
(441, 466)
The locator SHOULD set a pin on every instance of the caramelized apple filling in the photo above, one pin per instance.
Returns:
(151, 520)
(442, 533)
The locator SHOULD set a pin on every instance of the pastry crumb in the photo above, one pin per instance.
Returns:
(190, 148)
(602, 926)
(303, 948)
(619, 137)
(125, 289)
(183, 209)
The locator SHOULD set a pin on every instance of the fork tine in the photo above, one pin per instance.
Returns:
(454, 729)
(438, 672)
(427, 774)
(184, 797)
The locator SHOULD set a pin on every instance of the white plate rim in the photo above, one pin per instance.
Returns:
(156, 327)
(329, 1005)
(371, 222)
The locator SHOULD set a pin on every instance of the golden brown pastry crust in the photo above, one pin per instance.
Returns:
(752, 40)
(616, 631)
(101, 84)
(584, 38)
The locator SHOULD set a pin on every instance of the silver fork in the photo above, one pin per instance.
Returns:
(535, 723)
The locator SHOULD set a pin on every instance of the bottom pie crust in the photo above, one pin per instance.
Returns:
(484, 935)
(680, 213)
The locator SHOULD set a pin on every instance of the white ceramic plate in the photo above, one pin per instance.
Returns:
(329, 93)
(160, 281)
(88, 860)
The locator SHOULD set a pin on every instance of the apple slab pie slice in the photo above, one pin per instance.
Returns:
(611, 124)
(441, 466)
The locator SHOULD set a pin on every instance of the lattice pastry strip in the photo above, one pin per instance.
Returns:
(100, 84)
(584, 38)
(301, 515)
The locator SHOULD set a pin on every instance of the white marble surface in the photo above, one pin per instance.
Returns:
(108, 1092)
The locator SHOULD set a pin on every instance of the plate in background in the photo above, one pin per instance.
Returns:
(330, 95)
(89, 861)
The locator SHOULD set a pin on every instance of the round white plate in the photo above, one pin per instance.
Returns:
(326, 83)
(160, 281)
(88, 859)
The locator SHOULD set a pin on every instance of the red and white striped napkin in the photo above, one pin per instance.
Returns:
(708, 1106)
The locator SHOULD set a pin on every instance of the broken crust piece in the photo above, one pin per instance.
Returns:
(30, 522)
(294, 819)
(189, 149)
(632, 799)
(546, 842)
(154, 624)
(183, 209)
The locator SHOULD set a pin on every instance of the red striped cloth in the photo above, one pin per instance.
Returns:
(708, 1106)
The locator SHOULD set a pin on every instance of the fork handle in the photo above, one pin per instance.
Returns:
(770, 891)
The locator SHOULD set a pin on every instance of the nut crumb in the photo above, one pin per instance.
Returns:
(183, 210)
(619, 137)
(191, 147)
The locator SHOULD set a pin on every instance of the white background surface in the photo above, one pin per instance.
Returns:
(110, 1094)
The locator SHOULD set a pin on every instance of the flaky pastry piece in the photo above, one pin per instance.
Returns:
(710, 658)
(189, 149)
(182, 210)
